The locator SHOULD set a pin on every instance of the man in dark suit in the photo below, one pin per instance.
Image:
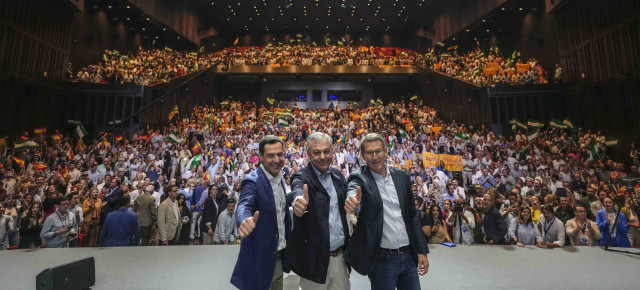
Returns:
(320, 232)
(209, 215)
(110, 202)
(259, 264)
(493, 224)
(121, 227)
(387, 243)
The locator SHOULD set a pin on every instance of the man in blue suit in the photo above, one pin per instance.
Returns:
(121, 228)
(263, 221)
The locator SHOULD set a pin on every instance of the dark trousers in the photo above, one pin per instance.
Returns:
(393, 269)
(146, 234)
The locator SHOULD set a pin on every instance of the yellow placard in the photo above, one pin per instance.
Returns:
(429, 159)
(436, 130)
(452, 162)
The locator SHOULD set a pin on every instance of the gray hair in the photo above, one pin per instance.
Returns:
(372, 137)
(317, 136)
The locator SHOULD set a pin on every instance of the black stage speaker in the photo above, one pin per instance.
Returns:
(80, 274)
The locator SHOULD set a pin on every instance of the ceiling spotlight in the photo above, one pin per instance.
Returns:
(520, 9)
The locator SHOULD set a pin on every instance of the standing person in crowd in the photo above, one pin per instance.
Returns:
(58, 228)
(318, 196)
(387, 244)
(260, 262)
(168, 218)
(494, 227)
(145, 207)
(121, 228)
(199, 193)
(6, 225)
(226, 230)
(551, 228)
(76, 209)
(110, 202)
(437, 233)
(31, 226)
(581, 230)
(633, 223)
(13, 233)
(185, 215)
(209, 215)
(91, 208)
(523, 231)
(606, 218)
(462, 222)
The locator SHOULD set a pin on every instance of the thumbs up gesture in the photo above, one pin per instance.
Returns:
(302, 202)
(248, 225)
(353, 202)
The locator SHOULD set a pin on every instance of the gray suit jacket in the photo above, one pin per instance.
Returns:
(145, 207)
(168, 225)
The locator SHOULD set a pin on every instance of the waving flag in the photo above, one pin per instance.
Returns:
(283, 123)
(403, 133)
(534, 124)
(360, 131)
(19, 161)
(282, 137)
(207, 177)
(25, 145)
(196, 149)
(173, 112)
(37, 166)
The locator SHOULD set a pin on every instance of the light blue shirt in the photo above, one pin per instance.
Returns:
(394, 232)
(336, 232)
(226, 229)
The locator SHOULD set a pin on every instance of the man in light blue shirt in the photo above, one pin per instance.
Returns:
(226, 231)
(60, 227)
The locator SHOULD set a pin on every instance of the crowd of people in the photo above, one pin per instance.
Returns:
(181, 184)
(490, 68)
(146, 67)
(150, 67)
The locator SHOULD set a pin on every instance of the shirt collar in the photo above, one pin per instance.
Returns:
(320, 175)
(272, 179)
(376, 175)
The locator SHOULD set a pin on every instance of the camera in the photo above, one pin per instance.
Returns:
(457, 207)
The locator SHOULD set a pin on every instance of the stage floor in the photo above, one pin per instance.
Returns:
(210, 267)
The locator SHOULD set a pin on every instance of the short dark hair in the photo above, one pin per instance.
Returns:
(548, 208)
(170, 187)
(268, 140)
(61, 199)
(124, 201)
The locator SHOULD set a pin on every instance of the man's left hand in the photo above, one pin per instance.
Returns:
(423, 264)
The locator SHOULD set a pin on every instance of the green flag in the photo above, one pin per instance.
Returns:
(519, 124)
(594, 152)
(173, 139)
(533, 134)
(195, 161)
(25, 145)
(610, 141)
(80, 131)
(393, 143)
(557, 124)
(534, 124)
(283, 123)
(403, 133)
(569, 123)
(480, 55)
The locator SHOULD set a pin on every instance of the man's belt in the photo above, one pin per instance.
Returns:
(398, 250)
(336, 252)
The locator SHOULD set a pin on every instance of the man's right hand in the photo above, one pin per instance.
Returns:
(353, 202)
(248, 225)
(165, 243)
(63, 230)
(302, 202)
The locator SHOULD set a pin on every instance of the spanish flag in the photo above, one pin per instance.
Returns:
(19, 161)
(71, 155)
(196, 148)
(39, 130)
(144, 138)
(118, 138)
(173, 112)
(360, 131)
(206, 176)
(57, 137)
(37, 166)
(282, 136)
(228, 144)
(65, 173)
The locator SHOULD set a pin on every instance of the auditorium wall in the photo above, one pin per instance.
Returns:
(599, 48)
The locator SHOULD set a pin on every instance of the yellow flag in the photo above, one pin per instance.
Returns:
(236, 41)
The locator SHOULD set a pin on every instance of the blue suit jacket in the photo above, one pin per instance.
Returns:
(621, 239)
(255, 266)
(120, 229)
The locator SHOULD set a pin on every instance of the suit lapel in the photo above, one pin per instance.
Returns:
(266, 184)
(315, 181)
(371, 183)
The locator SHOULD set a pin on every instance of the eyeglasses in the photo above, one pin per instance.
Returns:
(377, 153)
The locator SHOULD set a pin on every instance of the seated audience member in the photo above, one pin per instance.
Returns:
(581, 230)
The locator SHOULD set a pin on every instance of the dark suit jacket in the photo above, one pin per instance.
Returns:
(120, 229)
(111, 201)
(494, 227)
(221, 198)
(209, 215)
(364, 246)
(258, 251)
(309, 246)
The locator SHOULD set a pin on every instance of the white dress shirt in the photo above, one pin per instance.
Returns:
(394, 232)
(278, 196)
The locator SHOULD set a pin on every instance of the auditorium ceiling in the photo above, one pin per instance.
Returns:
(318, 16)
